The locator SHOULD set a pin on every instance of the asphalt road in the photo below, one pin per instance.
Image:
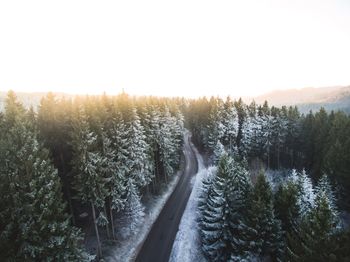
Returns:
(159, 242)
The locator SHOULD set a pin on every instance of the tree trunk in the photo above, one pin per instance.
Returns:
(67, 188)
(112, 219)
(268, 157)
(107, 226)
(99, 251)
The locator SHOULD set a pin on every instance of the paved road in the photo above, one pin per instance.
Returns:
(159, 242)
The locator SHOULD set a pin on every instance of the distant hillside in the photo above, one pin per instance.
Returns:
(310, 98)
(331, 98)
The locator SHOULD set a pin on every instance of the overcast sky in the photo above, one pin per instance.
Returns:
(180, 47)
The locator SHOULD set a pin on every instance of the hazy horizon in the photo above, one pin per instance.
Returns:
(116, 92)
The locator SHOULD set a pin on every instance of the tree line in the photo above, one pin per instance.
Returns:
(318, 142)
(96, 154)
(245, 221)
(244, 217)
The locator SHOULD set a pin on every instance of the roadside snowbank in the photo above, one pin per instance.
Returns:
(125, 250)
(186, 246)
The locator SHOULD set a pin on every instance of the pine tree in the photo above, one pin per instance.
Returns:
(133, 212)
(279, 133)
(268, 228)
(214, 223)
(310, 242)
(251, 136)
(34, 225)
(267, 136)
(207, 183)
(219, 150)
(152, 132)
(239, 195)
(137, 164)
(230, 124)
(306, 194)
(87, 163)
(215, 126)
(168, 151)
(286, 205)
(324, 186)
(115, 182)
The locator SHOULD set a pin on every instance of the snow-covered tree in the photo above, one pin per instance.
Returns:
(34, 225)
(214, 223)
(168, 150)
(133, 212)
(87, 164)
(286, 205)
(251, 142)
(229, 120)
(210, 173)
(268, 239)
(311, 240)
(306, 195)
(239, 195)
(137, 161)
(324, 187)
(215, 126)
(219, 150)
(114, 178)
(266, 136)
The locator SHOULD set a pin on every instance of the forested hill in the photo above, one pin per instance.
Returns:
(330, 98)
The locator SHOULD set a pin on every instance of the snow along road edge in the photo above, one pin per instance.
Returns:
(186, 247)
(163, 201)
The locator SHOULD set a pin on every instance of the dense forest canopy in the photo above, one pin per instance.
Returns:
(100, 155)
(318, 141)
(88, 154)
(242, 218)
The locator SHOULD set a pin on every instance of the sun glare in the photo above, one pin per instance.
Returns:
(180, 48)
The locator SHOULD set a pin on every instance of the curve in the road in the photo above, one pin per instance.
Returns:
(158, 244)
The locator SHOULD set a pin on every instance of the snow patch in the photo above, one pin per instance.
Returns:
(126, 250)
(187, 246)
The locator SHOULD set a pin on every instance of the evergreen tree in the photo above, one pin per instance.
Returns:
(286, 205)
(306, 196)
(133, 211)
(137, 164)
(324, 186)
(34, 225)
(269, 240)
(239, 195)
(229, 123)
(168, 150)
(310, 243)
(87, 163)
(215, 224)
(219, 150)
(207, 183)
(115, 182)
(215, 126)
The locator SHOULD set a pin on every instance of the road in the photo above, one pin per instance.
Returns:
(159, 242)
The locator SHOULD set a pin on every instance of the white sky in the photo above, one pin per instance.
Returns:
(180, 47)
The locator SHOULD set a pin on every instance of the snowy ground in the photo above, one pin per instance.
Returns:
(186, 246)
(125, 250)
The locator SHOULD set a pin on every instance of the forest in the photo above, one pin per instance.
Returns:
(248, 212)
(92, 155)
(278, 181)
